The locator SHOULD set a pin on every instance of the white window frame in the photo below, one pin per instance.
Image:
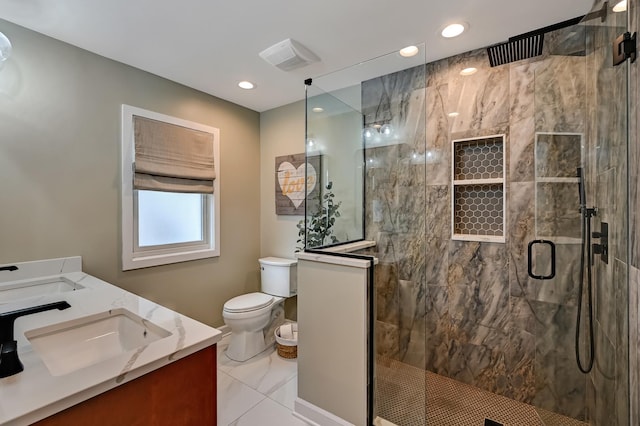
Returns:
(134, 257)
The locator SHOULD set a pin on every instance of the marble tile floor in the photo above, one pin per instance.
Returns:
(260, 391)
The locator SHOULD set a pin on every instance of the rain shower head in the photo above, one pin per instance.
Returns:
(516, 49)
(529, 45)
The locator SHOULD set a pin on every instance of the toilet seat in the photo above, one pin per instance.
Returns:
(248, 302)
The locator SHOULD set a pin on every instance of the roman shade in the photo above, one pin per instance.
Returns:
(172, 158)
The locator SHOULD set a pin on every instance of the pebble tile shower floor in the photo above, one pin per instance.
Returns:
(400, 399)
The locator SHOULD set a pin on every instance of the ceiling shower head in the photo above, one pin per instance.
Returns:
(516, 49)
(527, 45)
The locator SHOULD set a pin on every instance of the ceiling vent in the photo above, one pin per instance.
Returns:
(288, 55)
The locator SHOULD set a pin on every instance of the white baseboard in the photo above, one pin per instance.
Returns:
(316, 416)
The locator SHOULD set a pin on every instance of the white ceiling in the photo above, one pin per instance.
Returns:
(210, 45)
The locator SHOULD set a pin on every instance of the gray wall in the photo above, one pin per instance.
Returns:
(60, 171)
(281, 133)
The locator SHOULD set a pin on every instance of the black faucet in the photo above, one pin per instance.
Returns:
(9, 362)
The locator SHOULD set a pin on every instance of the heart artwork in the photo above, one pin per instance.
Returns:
(291, 180)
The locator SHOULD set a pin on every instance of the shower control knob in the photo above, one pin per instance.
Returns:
(603, 247)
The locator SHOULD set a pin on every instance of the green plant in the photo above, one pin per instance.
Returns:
(321, 218)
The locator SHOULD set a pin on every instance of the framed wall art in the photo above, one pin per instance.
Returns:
(290, 182)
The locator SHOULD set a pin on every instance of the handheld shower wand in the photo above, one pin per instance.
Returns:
(581, 191)
(585, 214)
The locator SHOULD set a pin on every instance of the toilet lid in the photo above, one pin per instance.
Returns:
(248, 302)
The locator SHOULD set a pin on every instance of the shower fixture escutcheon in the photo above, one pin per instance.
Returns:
(601, 248)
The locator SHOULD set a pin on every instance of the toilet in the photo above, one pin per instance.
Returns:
(252, 317)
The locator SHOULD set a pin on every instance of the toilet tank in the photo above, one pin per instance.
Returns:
(278, 276)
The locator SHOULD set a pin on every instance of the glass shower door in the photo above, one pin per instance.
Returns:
(607, 183)
(580, 206)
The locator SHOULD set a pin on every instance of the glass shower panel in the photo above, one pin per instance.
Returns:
(389, 95)
(334, 153)
(394, 109)
(607, 189)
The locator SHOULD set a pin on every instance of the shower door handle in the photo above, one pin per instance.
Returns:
(552, 247)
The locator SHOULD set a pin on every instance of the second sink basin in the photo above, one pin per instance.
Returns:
(42, 287)
(75, 344)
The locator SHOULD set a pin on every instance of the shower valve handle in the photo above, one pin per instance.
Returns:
(601, 248)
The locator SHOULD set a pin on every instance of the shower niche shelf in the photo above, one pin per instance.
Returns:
(557, 156)
(478, 182)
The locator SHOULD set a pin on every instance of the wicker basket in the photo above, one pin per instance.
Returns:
(287, 348)
(288, 352)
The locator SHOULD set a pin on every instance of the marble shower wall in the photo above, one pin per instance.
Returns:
(468, 310)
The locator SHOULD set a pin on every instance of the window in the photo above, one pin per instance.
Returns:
(170, 210)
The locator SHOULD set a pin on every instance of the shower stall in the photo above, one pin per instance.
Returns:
(475, 179)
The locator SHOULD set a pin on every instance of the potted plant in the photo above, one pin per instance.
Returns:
(321, 218)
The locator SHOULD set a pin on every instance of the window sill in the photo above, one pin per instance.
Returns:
(141, 261)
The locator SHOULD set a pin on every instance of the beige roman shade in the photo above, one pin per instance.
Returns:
(172, 158)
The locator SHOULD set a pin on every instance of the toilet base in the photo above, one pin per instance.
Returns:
(245, 345)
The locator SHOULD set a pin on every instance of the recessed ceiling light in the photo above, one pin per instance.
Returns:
(620, 6)
(246, 85)
(317, 109)
(469, 71)
(453, 114)
(409, 51)
(453, 30)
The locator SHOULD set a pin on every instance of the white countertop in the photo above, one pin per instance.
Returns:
(35, 393)
(350, 247)
(339, 260)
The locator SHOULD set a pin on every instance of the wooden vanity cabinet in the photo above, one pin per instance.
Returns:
(181, 393)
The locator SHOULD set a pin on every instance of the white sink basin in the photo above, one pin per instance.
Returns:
(23, 290)
(72, 345)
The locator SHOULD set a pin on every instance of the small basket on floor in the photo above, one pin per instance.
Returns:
(287, 347)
